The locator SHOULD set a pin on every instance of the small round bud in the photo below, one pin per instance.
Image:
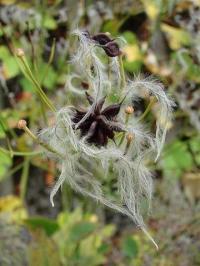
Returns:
(129, 137)
(20, 52)
(21, 124)
(108, 33)
(129, 110)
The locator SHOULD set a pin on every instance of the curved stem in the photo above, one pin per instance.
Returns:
(36, 83)
(19, 153)
(37, 140)
(151, 103)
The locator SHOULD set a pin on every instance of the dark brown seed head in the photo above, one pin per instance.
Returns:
(102, 38)
(112, 49)
(101, 124)
(109, 45)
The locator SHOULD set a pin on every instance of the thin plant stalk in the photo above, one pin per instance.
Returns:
(24, 178)
(51, 56)
(122, 73)
(36, 83)
(22, 125)
(149, 106)
(19, 153)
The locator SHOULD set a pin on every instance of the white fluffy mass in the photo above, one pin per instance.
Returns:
(85, 166)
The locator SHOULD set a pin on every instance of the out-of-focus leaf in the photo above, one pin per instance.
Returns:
(64, 218)
(13, 206)
(176, 37)
(191, 186)
(50, 78)
(191, 69)
(2, 132)
(5, 163)
(108, 231)
(130, 37)
(43, 251)
(27, 85)
(81, 230)
(9, 63)
(88, 249)
(49, 226)
(133, 56)
(195, 146)
(151, 9)
(49, 22)
(176, 159)
(130, 247)
(7, 2)
(104, 248)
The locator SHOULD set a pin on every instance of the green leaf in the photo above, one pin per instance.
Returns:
(49, 22)
(27, 85)
(130, 37)
(2, 130)
(134, 66)
(104, 248)
(177, 37)
(43, 251)
(130, 247)
(176, 159)
(81, 230)
(9, 62)
(49, 226)
(5, 163)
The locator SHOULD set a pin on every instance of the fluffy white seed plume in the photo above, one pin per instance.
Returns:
(88, 62)
(85, 166)
(82, 167)
(86, 59)
(148, 85)
(143, 140)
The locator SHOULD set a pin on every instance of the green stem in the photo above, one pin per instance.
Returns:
(109, 69)
(49, 61)
(19, 153)
(9, 147)
(151, 103)
(122, 73)
(45, 145)
(123, 135)
(6, 128)
(36, 83)
(13, 170)
(24, 178)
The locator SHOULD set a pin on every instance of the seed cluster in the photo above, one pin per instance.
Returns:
(101, 123)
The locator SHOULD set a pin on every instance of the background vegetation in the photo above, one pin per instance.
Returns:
(163, 39)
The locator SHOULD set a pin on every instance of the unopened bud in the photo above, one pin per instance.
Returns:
(20, 52)
(21, 124)
(129, 137)
(129, 110)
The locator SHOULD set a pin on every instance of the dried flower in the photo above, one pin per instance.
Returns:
(92, 141)
(109, 45)
(100, 124)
